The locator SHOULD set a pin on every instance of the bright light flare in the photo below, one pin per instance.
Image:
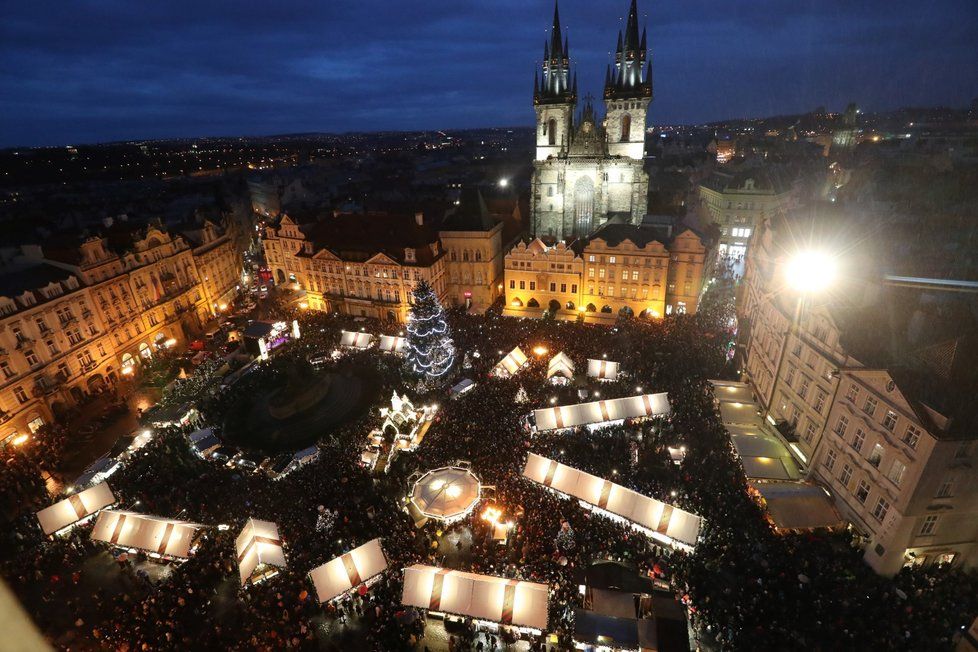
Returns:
(810, 271)
(540, 350)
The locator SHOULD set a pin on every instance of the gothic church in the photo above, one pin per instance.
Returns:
(589, 171)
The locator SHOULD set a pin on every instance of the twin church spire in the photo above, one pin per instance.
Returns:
(624, 80)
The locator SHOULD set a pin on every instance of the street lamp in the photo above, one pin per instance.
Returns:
(811, 271)
(503, 183)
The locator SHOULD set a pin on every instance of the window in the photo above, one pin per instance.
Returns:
(21, 394)
(31, 358)
(533, 285)
(929, 525)
(897, 471)
(553, 287)
(869, 407)
(626, 127)
(820, 397)
(911, 436)
(890, 420)
(590, 259)
(797, 350)
(601, 273)
(563, 287)
(946, 489)
(852, 393)
(590, 272)
(830, 459)
(810, 431)
(841, 426)
(876, 456)
(635, 275)
(522, 285)
(512, 285)
(846, 475)
(551, 130)
(862, 491)
(612, 259)
(7, 371)
(574, 288)
(858, 440)
(882, 507)
(805, 384)
(624, 274)
(790, 376)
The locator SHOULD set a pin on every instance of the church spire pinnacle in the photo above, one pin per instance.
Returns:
(556, 85)
(630, 59)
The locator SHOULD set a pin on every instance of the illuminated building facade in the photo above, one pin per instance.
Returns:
(588, 170)
(78, 313)
(738, 203)
(473, 245)
(362, 265)
(621, 270)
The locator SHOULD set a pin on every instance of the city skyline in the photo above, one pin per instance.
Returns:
(155, 73)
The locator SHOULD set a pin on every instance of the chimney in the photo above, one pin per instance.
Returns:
(419, 218)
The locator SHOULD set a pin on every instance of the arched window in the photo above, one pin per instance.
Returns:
(465, 256)
(626, 127)
(552, 131)
(570, 305)
(554, 305)
(606, 308)
(583, 206)
(591, 308)
(478, 255)
(532, 303)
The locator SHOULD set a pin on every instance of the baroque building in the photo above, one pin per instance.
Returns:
(81, 310)
(588, 170)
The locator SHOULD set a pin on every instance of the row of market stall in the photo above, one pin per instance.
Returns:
(596, 414)
(559, 367)
(362, 341)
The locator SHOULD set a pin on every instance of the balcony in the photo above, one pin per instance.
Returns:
(23, 341)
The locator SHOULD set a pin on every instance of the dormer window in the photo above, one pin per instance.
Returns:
(409, 255)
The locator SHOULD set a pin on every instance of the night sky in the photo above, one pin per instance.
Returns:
(81, 72)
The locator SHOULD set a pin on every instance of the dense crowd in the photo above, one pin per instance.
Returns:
(745, 586)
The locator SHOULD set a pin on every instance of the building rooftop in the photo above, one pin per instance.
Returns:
(359, 236)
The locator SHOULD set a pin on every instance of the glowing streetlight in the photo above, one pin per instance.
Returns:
(503, 182)
(810, 271)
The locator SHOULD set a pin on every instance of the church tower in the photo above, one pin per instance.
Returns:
(554, 96)
(628, 92)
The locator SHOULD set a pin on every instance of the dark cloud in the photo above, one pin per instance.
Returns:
(118, 69)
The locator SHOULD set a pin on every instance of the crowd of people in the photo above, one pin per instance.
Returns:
(745, 586)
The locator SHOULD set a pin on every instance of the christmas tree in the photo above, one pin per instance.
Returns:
(430, 350)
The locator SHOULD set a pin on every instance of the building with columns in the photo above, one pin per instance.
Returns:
(473, 243)
(589, 169)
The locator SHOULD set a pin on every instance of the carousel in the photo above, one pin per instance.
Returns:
(447, 494)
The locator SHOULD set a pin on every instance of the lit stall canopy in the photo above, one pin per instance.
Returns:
(483, 597)
(511, 364)
(616, 409)
(348, 571)
(75, 508)
(602, 369)
(798, 506)
(160, 537)
(259, 551)
(560, 365)
(392, 344)
(446, 494)
(654, 517)
(355, 340)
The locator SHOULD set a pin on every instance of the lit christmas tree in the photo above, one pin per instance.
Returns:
(430, 350)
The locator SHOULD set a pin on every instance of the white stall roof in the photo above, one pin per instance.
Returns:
(561, 365)
(154, 534)
(512, 363)
(666, 521)
(349, 570)
(496, 599)
(258, 545)
(630, 407)
(392, 344)
(75, 507)
(602, 369)
(355, 340)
